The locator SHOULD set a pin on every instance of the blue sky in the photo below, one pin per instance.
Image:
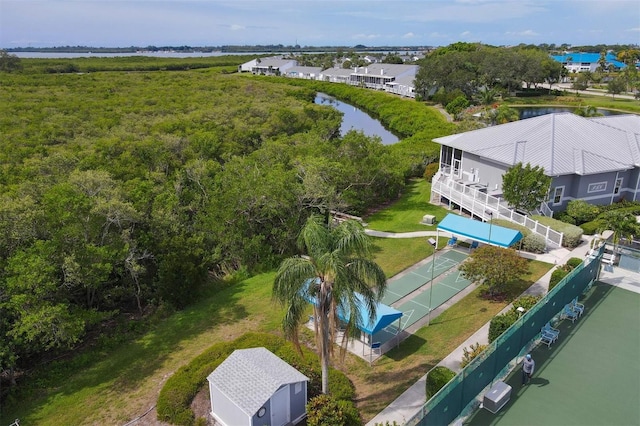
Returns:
(121, 23)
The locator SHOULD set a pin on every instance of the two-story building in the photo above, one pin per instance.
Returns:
(591, 159)
(581, 61)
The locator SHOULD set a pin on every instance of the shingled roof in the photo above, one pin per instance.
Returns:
(561, 143)
(249, 377)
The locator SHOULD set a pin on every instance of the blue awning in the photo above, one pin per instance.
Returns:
(480, 231)
(385, 315)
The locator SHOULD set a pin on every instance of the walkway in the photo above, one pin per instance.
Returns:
(412, 400)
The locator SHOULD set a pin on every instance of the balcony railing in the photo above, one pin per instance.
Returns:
(488, 207)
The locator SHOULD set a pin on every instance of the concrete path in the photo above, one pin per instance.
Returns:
(412, 400)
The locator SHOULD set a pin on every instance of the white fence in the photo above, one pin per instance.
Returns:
(489, 207)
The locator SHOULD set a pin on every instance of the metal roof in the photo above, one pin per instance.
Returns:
(249, 377)
(590, 58)
(561, 143)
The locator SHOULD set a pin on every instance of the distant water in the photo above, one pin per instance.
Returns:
(356, 119)
(70, 55)
(529, 112)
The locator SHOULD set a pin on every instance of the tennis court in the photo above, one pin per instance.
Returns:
(590, 376)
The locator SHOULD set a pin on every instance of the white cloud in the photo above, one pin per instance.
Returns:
(525, 33)
(366, 36)
(236, 27)
(409, 35)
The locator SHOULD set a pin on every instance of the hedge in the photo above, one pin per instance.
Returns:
(500, 323)
(437, 378)
(556, 276)
(572, 233)
(174, 402)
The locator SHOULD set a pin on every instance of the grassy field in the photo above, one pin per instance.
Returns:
(117, 381)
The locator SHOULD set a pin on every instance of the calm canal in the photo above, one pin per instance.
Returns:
(355, 119)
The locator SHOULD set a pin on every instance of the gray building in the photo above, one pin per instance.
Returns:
(254, 387)
(591, 159)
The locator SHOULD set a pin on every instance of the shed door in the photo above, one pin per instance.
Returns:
(280, 407)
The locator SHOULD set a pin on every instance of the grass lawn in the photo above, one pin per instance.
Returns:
(406, 213)
(118, 381)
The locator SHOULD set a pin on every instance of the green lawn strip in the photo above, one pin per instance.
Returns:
(405, 214)
(396, 254)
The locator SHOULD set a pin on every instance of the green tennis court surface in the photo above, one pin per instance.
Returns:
(590, 376)
(416, 278)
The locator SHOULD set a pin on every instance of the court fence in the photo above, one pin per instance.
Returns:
(459, 396)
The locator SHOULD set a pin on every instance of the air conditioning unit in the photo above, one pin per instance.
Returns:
(428, 219)
(497, 397)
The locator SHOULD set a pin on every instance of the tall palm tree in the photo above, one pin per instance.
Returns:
(335, 269)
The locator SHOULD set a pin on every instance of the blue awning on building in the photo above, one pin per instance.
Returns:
(479, 231)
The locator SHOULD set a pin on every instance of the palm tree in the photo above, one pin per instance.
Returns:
(335, 270)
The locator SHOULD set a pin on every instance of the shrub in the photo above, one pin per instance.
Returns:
(430, 171)
(556, 276)
(437, 378)
(325, 410)
(574, 262)
(582, 211)
(456, 106)
(500, 323)
(534, 243)
(564, 217)
(591, 228)
(572, 233)
(527, 302)
(469, 354)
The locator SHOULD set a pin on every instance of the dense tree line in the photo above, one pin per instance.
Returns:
(120, 191)
(479, 73)
(472, 69)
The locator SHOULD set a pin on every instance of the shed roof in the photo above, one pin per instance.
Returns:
(249, 377)
(480, 231)
(561, 143)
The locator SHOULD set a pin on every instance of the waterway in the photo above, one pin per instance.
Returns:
(356, 119)
(528, 112)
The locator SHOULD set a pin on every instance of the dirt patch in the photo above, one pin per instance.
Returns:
(201, 406)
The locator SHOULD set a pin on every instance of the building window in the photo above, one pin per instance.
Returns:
(557, 194)
(616, 189)
(297, 388)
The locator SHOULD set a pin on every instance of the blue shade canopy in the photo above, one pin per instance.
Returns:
(480, 231)
(385, 314)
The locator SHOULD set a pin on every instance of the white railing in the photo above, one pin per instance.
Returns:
(489, 207)
(545, 209)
